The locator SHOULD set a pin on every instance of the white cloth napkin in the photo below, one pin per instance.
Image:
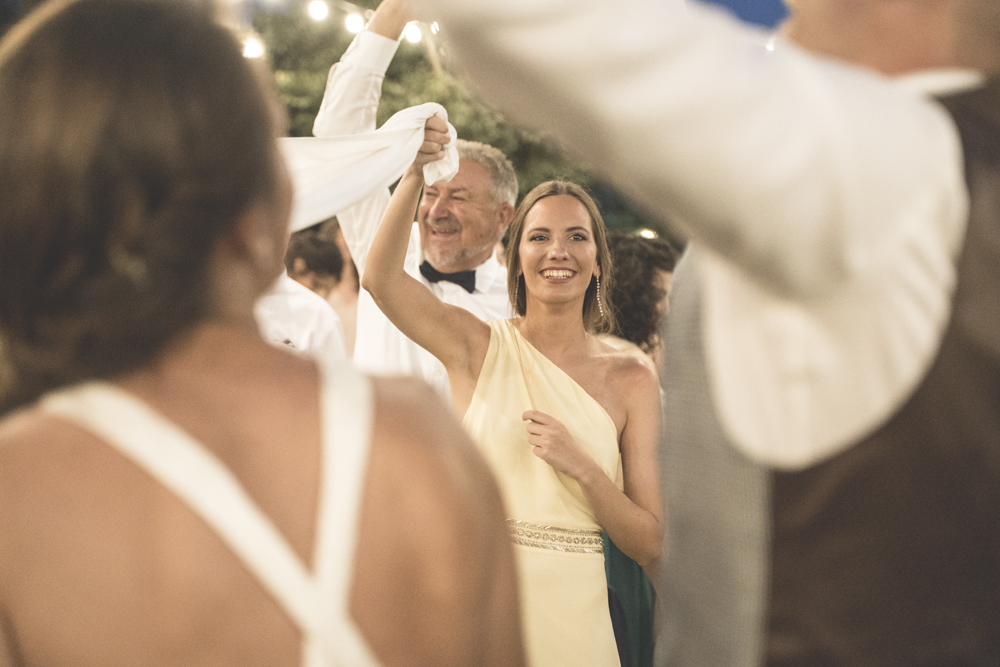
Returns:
(331, 174)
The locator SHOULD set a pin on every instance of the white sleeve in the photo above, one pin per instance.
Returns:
(354, 87)
(350, 104)
(798, 169)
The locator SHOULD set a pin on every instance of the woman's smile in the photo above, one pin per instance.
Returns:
(557, 274)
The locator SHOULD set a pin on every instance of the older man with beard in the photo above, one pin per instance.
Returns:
(458, 223)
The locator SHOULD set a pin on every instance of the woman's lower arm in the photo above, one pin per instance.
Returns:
(633, 529)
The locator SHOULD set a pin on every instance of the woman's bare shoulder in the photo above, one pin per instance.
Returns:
(36, 446)
(627, 364)
(418, 424)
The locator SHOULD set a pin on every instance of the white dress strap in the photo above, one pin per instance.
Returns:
(347, 417)
(317, 604)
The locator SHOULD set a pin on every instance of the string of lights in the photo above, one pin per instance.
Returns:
(355, 19)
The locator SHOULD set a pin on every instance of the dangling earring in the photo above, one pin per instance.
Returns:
(600, 306)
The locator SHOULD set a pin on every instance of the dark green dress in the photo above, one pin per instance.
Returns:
(638, 599)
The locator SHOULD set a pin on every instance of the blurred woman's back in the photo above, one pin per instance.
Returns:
(143, 209)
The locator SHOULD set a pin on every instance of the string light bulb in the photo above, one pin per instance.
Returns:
(318, 10)
(253, 47)
(354, 23)
(413, 33)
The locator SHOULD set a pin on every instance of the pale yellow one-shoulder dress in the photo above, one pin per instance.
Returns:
(557, 540)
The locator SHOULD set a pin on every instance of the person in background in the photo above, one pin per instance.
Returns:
(314, 260)
(173, 489)
(640, 291)
(458, 222)
(831, 365)
(293, 316)
(344, 297)
(644, 269)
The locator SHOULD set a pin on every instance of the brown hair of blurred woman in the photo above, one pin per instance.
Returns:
(111, 203)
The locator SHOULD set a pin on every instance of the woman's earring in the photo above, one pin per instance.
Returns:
(600, 306)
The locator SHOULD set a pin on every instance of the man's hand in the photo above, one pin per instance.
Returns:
(553, 444)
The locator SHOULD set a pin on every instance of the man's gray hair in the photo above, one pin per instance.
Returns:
(501, 170)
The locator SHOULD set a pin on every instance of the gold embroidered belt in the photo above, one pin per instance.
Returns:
(555, 538)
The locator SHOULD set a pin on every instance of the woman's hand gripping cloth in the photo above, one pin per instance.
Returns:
(333, 173)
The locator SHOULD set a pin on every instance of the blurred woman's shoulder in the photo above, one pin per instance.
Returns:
(430, 495)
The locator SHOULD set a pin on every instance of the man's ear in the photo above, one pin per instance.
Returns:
(505, 215)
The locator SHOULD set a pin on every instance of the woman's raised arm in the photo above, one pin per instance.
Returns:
(455, 336)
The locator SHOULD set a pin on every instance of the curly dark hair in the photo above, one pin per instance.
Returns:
(134, 134)
(636, 296)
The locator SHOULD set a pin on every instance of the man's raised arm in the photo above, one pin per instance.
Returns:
(354, 86)
(350, 104)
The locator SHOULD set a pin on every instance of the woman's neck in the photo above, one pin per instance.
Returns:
(555, 332)
(220, 348)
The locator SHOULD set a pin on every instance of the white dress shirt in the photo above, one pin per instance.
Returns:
(349, 107)
(291, 315)
(826, 204)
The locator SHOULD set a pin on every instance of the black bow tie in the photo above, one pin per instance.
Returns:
(464, 279)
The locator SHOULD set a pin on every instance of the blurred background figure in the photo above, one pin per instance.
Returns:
(314, 260)
(318, 258)
(185, 493)
(344, 296)
(644, 270)
(640, 291)
(292, 315)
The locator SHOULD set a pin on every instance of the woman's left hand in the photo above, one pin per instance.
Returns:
(553, 444)
(436, 140)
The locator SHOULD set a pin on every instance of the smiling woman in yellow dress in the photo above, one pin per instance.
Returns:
(568, 423)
